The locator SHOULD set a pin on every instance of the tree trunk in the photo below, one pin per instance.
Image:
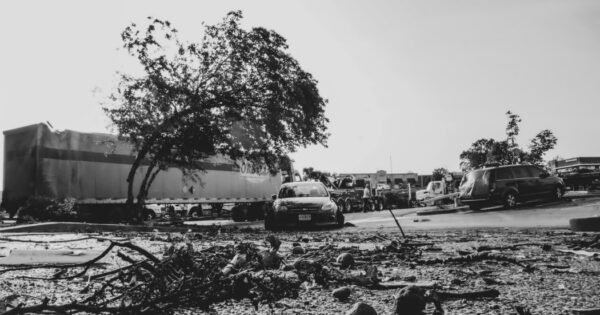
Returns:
(135, 211)
(143, 192)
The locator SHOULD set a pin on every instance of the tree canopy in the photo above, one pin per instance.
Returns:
(489, 151)
(310, 173)
(236, 92)
(439, 173)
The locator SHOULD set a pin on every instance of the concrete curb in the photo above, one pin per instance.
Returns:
(436, 210)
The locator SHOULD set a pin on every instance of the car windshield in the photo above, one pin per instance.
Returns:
(303, 190)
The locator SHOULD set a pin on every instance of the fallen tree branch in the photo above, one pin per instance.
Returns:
(447, 295)
(89, 262)
(473, 258)
(509, 247)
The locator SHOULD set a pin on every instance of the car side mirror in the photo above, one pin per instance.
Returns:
(273, 197)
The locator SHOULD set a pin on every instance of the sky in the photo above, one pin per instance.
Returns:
(410, 84)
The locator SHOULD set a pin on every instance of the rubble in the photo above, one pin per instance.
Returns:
(361, 308)
(342, 293)
(346, 260)
(239, 273)
(409, 301)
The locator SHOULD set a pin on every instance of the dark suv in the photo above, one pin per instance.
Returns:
(508, 184)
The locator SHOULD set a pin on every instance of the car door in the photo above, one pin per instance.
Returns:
(524, 181)
(544, 185)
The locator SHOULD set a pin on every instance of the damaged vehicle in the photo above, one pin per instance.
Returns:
(507, 185)
(301, 204)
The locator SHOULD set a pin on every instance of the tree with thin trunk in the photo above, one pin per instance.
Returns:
(236, 93)
(489, 151)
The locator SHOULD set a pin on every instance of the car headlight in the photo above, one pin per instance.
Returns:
(328, 206)
(281, 208)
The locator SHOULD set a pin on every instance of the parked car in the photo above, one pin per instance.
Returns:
(303, 204)
(507, 185)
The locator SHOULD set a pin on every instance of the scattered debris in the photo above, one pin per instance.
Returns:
(201, 271)
(346, 260)
(409, 301)
(342, 293)
(361, 308)
(298, 250)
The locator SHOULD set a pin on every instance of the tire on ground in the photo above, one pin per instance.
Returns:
(589, 224)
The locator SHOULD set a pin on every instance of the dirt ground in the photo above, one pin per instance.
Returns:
(540, 270)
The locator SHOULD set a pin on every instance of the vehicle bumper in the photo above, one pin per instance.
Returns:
(292, 219)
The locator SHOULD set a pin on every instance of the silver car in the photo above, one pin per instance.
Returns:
(300, 204)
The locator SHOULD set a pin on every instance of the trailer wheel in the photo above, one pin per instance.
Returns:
(239, 213)
(195, 211)
(149, 215)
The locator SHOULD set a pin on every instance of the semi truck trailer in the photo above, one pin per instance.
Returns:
(92, 168)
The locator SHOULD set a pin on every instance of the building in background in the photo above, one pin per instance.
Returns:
(575, 165)
(394, 180)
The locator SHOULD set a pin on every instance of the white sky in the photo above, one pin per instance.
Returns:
(417, 81)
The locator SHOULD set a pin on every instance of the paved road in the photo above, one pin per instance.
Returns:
(555, 215)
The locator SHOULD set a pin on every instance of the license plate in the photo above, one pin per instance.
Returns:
(304, 217)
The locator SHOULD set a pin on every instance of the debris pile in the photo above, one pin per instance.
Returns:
(320, 273)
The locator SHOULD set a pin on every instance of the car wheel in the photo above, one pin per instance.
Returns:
(373, 206)
(340, 219)
(380, 205)
(510, 200)
(349, 206)
(342, 205)
(558, 193)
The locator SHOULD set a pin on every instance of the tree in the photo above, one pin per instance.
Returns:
(506, 152)
(439, 173)
(311, 174)
(237, 93)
